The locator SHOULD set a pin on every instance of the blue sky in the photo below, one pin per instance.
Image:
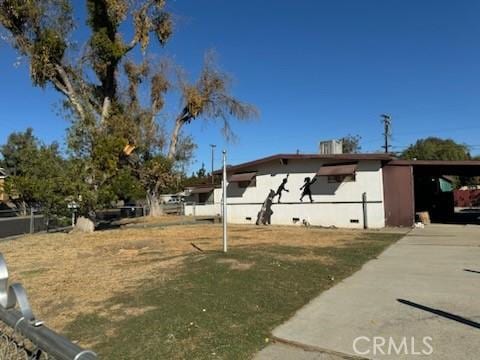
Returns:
(315, 69)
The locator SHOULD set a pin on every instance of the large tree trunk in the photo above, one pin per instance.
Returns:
(153, 201)
(174, 139)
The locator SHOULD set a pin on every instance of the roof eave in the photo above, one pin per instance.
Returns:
(358, 157)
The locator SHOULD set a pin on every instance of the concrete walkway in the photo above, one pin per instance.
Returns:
(421, 294)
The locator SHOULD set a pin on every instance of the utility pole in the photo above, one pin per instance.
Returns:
(224, 201)
(387, 131)
(213, 157)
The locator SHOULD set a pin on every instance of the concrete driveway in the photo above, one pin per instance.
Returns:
(419, 299)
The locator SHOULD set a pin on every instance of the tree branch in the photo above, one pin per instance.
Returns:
(131, 45)
(179, 122)
(66, 87)
(105, 109)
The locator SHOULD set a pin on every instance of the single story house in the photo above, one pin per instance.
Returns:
(200, 194)
(341, 190)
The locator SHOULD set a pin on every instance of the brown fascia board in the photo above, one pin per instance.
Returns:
(203, 185)
(337, 169)
(202, 190)
(341, 157)
(434, 162)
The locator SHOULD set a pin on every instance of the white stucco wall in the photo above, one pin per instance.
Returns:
(203, 210)
(337, 204)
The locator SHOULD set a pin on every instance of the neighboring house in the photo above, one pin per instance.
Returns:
(172, 198)
(3, 175)
(348, 190)
(199, 194)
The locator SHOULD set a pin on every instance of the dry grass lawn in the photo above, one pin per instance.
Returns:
(67, 275)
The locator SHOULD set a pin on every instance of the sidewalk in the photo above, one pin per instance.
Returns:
(425, 285)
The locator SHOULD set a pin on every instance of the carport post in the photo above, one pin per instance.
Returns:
(32, 221)
(364, 208)
(224, 201)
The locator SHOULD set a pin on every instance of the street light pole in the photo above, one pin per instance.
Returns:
(224, 201)
(213, 154)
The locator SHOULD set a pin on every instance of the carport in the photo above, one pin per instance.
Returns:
(412, 186)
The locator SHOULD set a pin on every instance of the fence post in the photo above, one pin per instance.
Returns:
(364, 208)
(32, 221)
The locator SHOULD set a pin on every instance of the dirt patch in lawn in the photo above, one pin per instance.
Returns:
(70, 274)
(235, 264)
(326, 260)
(164, 220)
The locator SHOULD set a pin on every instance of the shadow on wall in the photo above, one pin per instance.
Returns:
(233, 190)
(323, 187)
(281, 188)
(264, 216)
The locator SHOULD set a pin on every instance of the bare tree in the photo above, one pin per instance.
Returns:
(112, 124)
(209, 98)
(351, 144)
(40, 30)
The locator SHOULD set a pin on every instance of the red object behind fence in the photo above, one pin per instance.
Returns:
(466, 198)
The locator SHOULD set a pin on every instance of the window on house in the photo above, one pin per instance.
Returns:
(203, 198)
(341, 178)
(245, 184)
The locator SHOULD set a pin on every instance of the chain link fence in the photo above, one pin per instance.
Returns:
(13, 346)
(22, 335)
(18, 222)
